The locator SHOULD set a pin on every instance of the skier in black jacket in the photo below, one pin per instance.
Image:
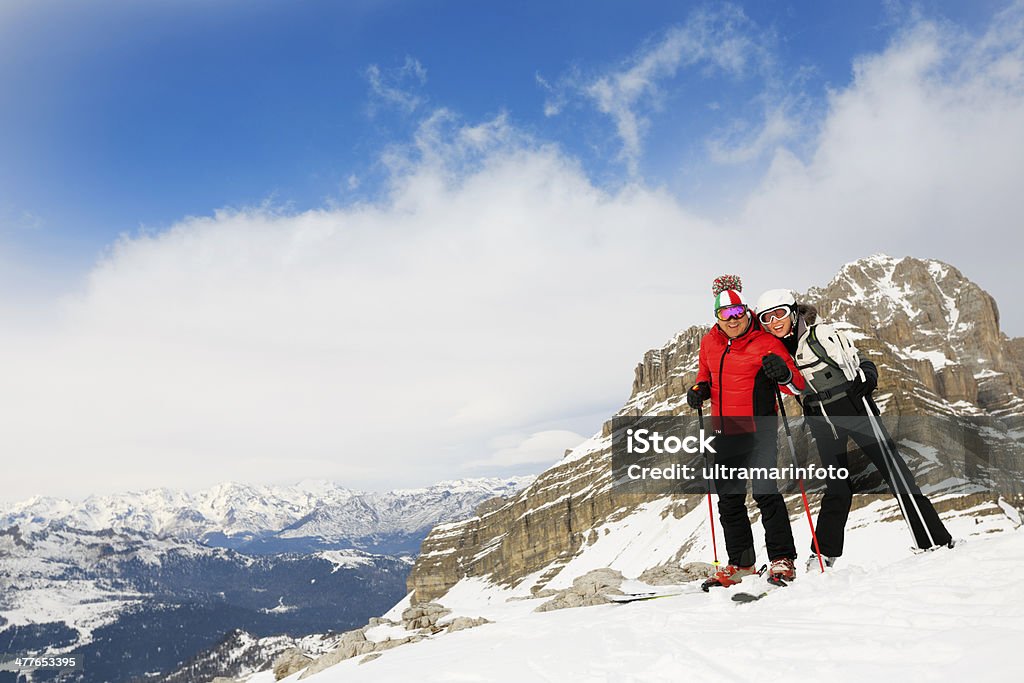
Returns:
(837, 399)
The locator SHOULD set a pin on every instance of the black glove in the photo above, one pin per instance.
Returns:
(697, 394)
(776, 369)
(864, 387)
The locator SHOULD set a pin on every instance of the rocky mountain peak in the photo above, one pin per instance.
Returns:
(926, 316)
(903, 297)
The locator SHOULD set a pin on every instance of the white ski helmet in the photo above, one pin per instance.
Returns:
(774, 298)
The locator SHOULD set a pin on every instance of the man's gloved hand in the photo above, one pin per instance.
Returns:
(864, 387)
(776, 369)
(697, 394)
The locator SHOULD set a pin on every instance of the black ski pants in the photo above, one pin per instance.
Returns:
(751, 450)
(849, 422)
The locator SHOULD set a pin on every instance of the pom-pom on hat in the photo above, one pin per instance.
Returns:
(724, 282)
(727, 289)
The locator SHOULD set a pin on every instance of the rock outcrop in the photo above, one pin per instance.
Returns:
(672, 574)
(418, 622)
(289, 662)
(586, 590)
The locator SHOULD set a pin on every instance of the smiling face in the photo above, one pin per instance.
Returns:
(780, 328)
(778, 320)
(735, 327)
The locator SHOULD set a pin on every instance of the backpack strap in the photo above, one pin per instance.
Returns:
(818, 350)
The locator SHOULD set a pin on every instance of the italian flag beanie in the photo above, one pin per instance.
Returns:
(727, 291)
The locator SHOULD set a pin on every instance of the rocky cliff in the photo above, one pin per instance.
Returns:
(933, 333)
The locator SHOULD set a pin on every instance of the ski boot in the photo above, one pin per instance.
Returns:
(730, 575)
(781, 571)
(813, 566)
(952, 543)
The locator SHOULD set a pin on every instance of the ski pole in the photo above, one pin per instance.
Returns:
(889, 454)
(799, 481)
(711, 512)
(851, 370)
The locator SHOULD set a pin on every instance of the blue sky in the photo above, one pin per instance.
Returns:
(243, 240)
(116, 115)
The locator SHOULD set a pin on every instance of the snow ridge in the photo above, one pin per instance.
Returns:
(308, 508)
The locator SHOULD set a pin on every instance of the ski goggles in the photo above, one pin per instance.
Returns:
(773, 314)
(731, 312)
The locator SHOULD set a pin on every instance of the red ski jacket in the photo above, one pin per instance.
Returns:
(739, 387)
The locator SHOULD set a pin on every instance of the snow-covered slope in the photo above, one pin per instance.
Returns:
(242, 654)
(882, 612)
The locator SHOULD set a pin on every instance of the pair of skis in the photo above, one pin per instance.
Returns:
(773, 583)
(740, 597)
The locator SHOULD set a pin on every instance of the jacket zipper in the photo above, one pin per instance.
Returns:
(721, 385)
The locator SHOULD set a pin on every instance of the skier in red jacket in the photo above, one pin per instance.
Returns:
(739, 368)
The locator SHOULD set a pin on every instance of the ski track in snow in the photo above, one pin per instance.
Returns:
(883, 613)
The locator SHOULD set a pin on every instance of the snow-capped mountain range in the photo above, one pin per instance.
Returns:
(122, 573)
(233, 514)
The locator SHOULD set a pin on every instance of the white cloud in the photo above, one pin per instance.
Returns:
(541, 448)
(725, 40)
(494, 289)
(378, 344)
(921, 151)
(394, 87)
(742, 143)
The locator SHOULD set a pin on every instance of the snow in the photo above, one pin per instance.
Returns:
(929, 453)
(312, 507)
(850, 331)
(939, 271)
(937, 358)
(882, 612)
(918, 617)
(898, 296)
(648, 537)
(386, 631)
(346, 559)
(281, 608)
(1011, 512)
(80, 604)
(592, 445)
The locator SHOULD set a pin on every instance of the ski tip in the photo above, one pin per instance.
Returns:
(637, 597)
(628, 597)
